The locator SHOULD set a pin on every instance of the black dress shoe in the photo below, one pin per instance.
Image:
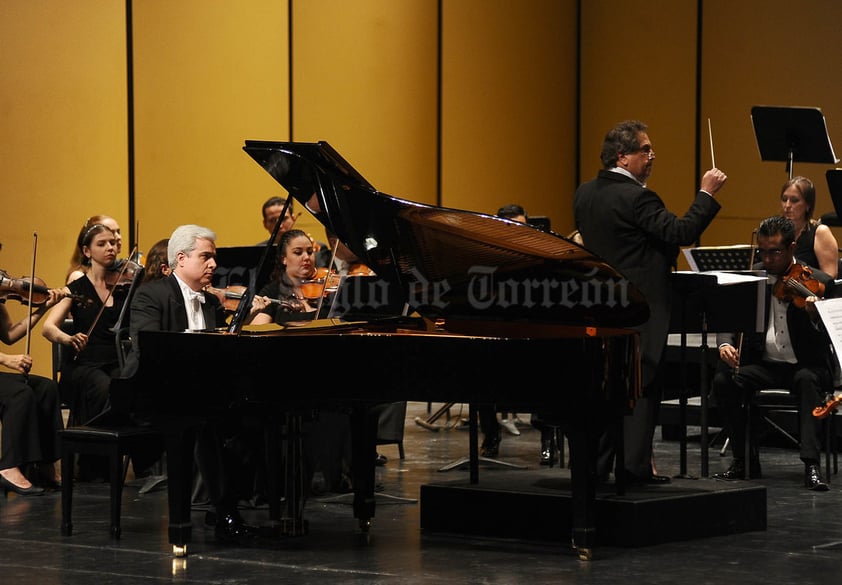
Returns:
(231, 528)
(737, 470)
(380, 460)
(8, 486)
(813, 478)
(490, 446)
(657, 479)
(547, 452)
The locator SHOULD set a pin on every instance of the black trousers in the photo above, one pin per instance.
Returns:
(734, 391)
(31, 417)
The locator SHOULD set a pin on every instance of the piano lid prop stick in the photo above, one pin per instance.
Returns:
(710, 135)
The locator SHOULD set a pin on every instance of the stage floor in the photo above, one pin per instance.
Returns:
(802, 542)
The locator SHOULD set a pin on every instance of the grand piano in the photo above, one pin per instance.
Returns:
(456, 292)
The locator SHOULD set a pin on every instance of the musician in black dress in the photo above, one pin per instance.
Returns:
(86, 379)
(294, 268)
(815, 244)
(29, 410)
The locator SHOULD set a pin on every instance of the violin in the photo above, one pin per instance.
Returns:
(122, 273)
(324, 282)
(828, 407)
(18, 289)
(797, 284)
(230, 298)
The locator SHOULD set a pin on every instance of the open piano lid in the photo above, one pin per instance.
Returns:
(449, 263)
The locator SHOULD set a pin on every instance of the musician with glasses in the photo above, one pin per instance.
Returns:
(626, 223)
(792, 352)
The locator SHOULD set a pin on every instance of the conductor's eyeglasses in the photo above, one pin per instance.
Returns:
(646, 149)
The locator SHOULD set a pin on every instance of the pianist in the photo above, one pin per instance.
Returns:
(177, 303)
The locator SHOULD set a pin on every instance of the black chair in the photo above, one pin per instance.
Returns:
(774, 404)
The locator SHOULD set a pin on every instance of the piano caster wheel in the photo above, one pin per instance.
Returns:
(179, 551)
(585, 554)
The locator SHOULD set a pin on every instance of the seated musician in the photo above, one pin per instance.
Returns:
(271, 211)
(86, 378)
(815, 244)
(295, 266)
(794, 353)
(30, 413)
(178, 302)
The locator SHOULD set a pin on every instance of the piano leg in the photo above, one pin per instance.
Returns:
(179, 441)
(583, 480)
(293, 522)
(363, 446)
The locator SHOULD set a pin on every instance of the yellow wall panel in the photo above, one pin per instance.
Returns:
(364, 80)
(509, 116)
(779, 55)
(63, 119)
(209, 74)
(642, 66)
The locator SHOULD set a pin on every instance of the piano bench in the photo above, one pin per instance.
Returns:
(114, 442)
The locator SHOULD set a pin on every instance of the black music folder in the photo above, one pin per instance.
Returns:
(238, 265)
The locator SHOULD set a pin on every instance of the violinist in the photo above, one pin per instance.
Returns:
(793, 352)
(29, 411)
(295, 266)
(85, 380)
(78, 265)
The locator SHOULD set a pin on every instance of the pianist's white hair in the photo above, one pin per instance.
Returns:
(183, 239)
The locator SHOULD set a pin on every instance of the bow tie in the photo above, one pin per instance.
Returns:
(196, 296)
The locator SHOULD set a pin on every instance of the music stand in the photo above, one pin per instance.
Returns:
(709, 303)
(786, 133)
(710, 258)
(834, 185)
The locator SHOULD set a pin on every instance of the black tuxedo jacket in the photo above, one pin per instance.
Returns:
(159, 306)
(629, 227)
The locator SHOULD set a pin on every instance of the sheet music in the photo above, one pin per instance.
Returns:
(830, 311)
(707, 258)
(726, 278)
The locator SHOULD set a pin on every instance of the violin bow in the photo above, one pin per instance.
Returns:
(750, 267)
(31, 286)
(110, 293)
